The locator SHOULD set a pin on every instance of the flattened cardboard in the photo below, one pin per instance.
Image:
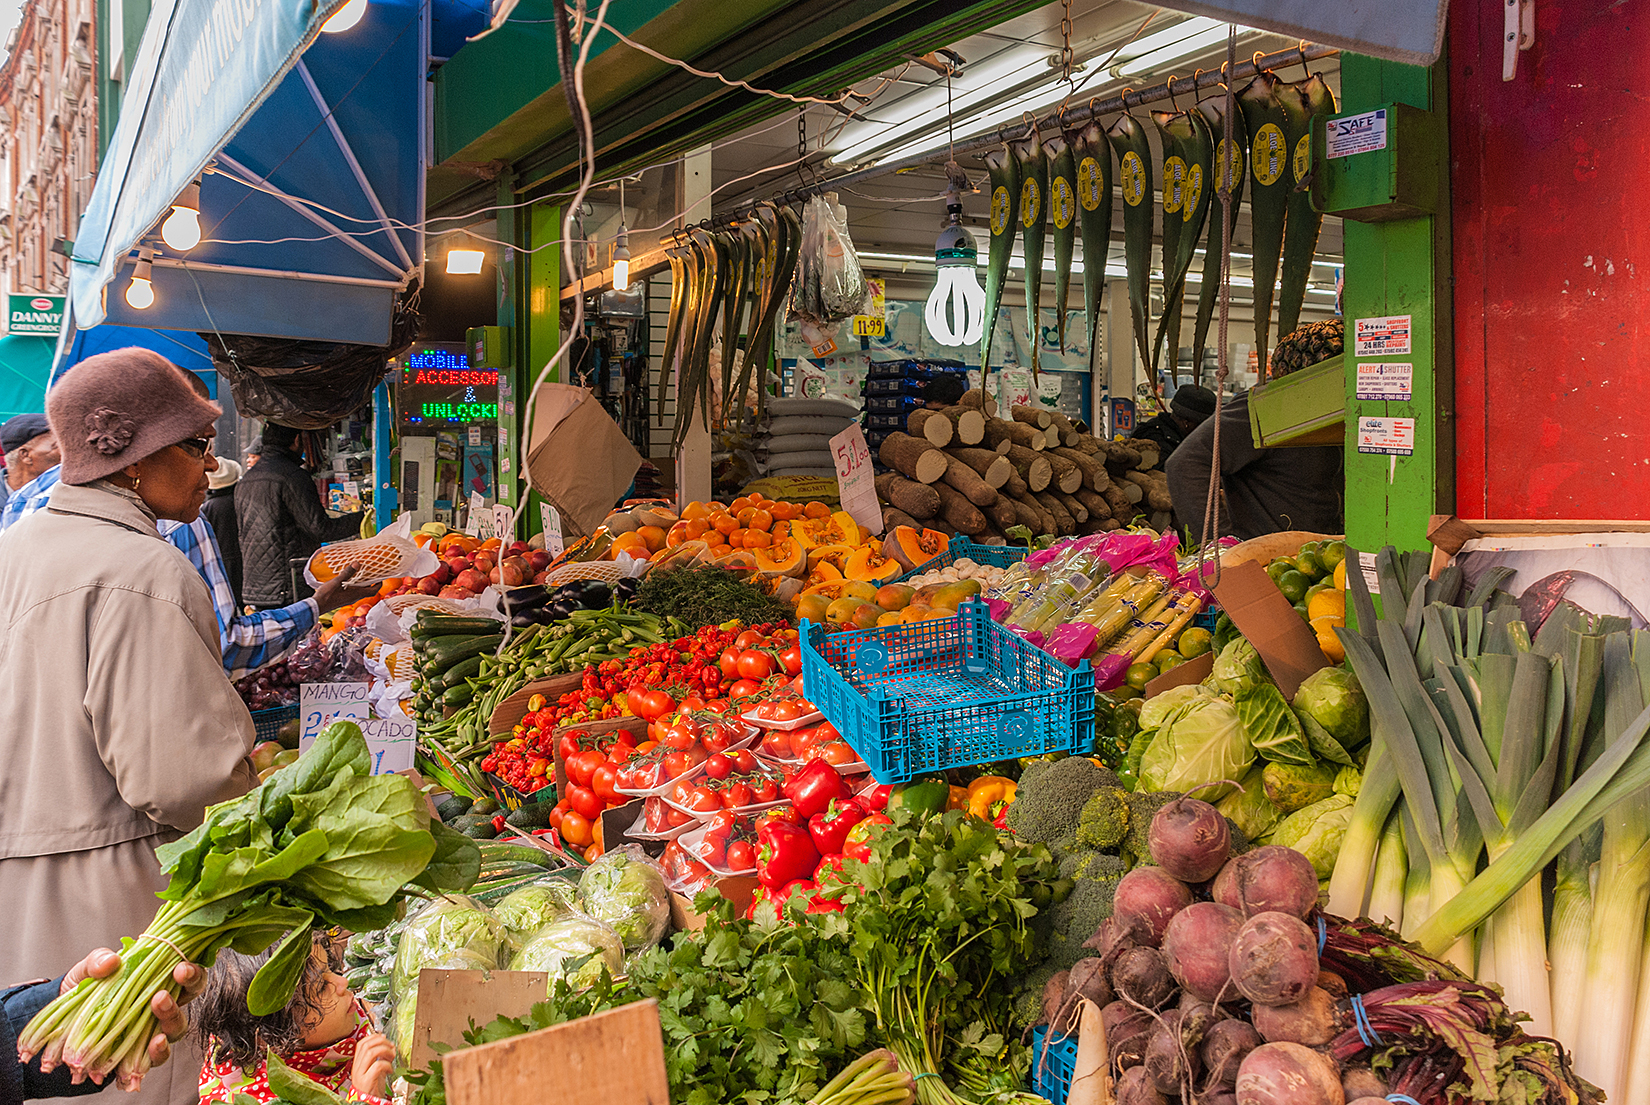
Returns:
(737, 889)
(509, 712)
(1261, 613)
(1195, 670)
(616, 1057)
(578, 458)
(449, 1000)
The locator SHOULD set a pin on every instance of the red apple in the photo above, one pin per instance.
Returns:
(539, 559)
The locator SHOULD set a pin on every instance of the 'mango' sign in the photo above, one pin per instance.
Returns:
(34, 314)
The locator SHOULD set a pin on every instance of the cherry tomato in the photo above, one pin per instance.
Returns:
(738, 795)
(765, 788)
(836, 753)
(791, 660)
(777, 744)
(743, 761)
(684, 735)
(676, 763)
(701, 800)
(788, 710)
(744, 688)
(679, 793)
(719, 766)
(696, 755)
(576, 830)
(802, 740)
(741, 856)
(601, 781)
(720, 824)
(584, 802)
(729, 663)
(676, 818)
(747, 639)
(755, 665)
(713, 850)
(691, 703)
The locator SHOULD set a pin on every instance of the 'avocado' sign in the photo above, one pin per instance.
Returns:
(34, 314)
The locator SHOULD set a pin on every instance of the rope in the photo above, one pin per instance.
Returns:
(1323, 934)
(162, 940)
(1209, 545)
(1402, 1099)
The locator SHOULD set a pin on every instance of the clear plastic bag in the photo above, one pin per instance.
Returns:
(627, 890)
(535, 905)
(830, 284)
(575, 947)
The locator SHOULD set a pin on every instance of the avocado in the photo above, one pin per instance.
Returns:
(476, 826)
(454, 806)
(288, 734)
(485, 805)
(535, 816)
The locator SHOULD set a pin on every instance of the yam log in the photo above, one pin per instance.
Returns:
(1119, 457)
(1150, 452)
(1067, 476)
(968, 426)
(1095, 475)
(1132, 491)
(1068, 429)
(993, 468)
(1094, 502)
(1032, 416)
(1032, 517)
(1095, 524)
(968, 481)
(932, 426)
(893, 516)
(996, 431)
(916, 499)
(1001, 514)
(1089, 444)
(1064, 524)
(1034, 468)
(913, 457)
(1074, 507)
(979, 400)
(955, 509)
(1015, 487)
(1121, 507)
(1154, 491)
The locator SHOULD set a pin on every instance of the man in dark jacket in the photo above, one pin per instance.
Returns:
(281, 519)
(1266, 490)
(1189, 408)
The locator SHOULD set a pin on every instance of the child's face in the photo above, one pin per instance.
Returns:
(334, 1003)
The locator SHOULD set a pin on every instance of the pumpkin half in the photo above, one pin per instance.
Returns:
(909, 546)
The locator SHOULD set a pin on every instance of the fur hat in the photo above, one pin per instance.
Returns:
(228, 474)
(116, 408)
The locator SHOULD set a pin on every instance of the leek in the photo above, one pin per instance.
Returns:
(1567, 935)
(1386, 888)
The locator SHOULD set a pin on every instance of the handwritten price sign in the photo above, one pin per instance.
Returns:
(856, 481)
(391, 741)
(320, 704)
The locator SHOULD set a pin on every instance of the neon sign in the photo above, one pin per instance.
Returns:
(439, 388)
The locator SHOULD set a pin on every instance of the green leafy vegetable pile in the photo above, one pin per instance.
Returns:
(321, 842)
(703, 594)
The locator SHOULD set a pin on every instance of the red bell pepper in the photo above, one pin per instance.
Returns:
(875, 800)
(785, 854)
(858, 844)
(830, 829)
(812, 789)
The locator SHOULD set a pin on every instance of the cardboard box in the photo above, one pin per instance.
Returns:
(509, 712)
(1261, 613)
(614, 1056)
(1195, 670)
(449, 1000)
(577, 458)
(737, 889)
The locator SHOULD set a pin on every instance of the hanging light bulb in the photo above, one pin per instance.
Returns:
(345, 17)
(463, 258)
(140, 293)
(955, 312)
(182, 229)
(621, 261)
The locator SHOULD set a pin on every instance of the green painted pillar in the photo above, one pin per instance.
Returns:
(1399, 268)
(509, 232)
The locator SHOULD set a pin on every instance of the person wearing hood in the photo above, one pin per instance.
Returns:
(219, 513)
(1189, 407)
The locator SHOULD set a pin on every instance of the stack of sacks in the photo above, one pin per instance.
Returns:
(796, 439)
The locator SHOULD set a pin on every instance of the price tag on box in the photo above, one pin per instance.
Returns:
(320, 704)
(391, 741)
(855, 479)
(550, 522)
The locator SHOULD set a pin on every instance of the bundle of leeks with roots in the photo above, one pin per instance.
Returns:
(1504, 819)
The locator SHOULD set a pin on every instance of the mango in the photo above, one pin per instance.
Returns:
(895, 596)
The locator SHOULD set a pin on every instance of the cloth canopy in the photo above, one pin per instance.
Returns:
(25, 365)
(182, 348)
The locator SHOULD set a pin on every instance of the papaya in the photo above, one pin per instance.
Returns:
(838, 528)
(909, 546)
(782, 558)
(867, 563)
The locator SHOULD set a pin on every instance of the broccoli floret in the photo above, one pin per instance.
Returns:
(1027, 1006)
(1105, 819)
(1143, 806)
(1074, 920)
(1051, 795)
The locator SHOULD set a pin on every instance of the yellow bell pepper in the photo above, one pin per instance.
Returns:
(987, 792)
(958, 799)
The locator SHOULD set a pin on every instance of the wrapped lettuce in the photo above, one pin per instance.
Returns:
(574, 947)
(529, 909)
(1332, 698)
(626, 891)
(1202, 743)
(1316, 832)
(1271, 726)
(1249, 808)
(1293, 787)
(1238, 668)
(453, 933)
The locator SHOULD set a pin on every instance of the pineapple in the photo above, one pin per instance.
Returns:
(1306, 345)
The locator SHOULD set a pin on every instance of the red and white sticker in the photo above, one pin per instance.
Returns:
(1386, 381)
(1380, 337)
(1395, 436)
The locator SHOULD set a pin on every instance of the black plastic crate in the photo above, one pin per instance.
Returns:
(886, 422)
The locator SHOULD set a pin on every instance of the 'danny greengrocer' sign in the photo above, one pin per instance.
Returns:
(34, 314)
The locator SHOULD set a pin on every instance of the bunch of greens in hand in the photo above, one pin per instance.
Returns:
(320, 843)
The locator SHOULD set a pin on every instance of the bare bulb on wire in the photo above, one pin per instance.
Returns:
(140, 293)
(345, 17)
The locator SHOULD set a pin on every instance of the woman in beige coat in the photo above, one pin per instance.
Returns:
(117, 725)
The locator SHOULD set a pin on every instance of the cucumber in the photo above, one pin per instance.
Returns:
(430, 624)
(358, 977)
(494, 851)
(507, 869)
(458, 696)
(496, 892)
(377, 988)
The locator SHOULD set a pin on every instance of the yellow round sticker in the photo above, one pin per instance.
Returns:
(999, 210)
(1266, 155)
(1193, 191)
(1061, 201)
(1134, 179)
(1088, 183)
(1303, 157)
(1174, 181)
(1228, 154)
(1031, 203)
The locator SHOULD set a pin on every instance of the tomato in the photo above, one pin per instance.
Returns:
(656, 815)
(696, 755)
(619, 753)
(601, 781)
(827, 731)
(747, 639)
(713, 850)
(557, 812)
(788, 710)
(576, 830)
(701, 800)
(720, 824)
(836, 753)
(683, 735)
(738, 795)
(679, 793)
(729, 663)
(656, 704)
(720, 737)
(676, 818)
(743, 761)
(791, 660)
(777, 744)
(692, 703)
(568, 745)
(584, 802)
(802, 740)
(588, 761)
(577, 773)
(741, 856)
(624, 737)
(755, 665)
(676, 763)
(719, 766)
(635, 700)
(744, 688)
(765, 788)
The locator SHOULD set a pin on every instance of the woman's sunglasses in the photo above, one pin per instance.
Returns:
(196, 447)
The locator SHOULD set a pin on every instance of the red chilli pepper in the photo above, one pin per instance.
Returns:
(830, 829)
(786, 853)
(812, 789)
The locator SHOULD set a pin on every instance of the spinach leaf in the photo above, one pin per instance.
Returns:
(298, 1089)
(378, 840)
(275, 981)
(455, 865)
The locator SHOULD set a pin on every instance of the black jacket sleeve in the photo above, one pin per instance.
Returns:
(27, 1083)
(305, 507)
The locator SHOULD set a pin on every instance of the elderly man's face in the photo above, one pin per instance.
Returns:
(30, 459)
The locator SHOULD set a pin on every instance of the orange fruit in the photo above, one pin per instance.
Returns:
(744, 516)
(783, 511)
(781, 529)
(631, 542)
(697, 529)
(726, 524)
(816, 510)
(654, 536)
(739, 504)
(695, 511)
(678, 533)
(757, 539)
(760, 519)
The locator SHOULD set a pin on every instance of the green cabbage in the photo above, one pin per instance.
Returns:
(1348, 781)
(1238, 667)
(1271, 726)
(529, 909)
(1203, 744)
(1316, 832)
(626, 890)
(1293, 787)
(1333, 699)
(574, 947)
(1171, 703)
(453, 932)
(1249, 809)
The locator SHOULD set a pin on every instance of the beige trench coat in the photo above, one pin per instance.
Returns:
(117, 729)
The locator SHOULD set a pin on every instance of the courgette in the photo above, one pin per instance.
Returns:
(458, 696)
(459, 672)
(435, 625)
(507, 869)
(497, 851)
(496, 892)
(443, 655)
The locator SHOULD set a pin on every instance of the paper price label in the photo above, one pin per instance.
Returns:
(481, 519)
(504, 523)
(550, 522)
(475, 437)
(856, 486)
(1394, 436)
(1386, 381)
(391, 741)
(1366, 563)
(320, 704)
(1377, 337)
(869, 326)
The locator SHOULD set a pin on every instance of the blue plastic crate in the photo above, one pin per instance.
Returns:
(912, 699)
(960, 548)
(1051, 1071)
(1206, 619)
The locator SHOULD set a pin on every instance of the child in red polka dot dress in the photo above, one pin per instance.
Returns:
(324, 1032)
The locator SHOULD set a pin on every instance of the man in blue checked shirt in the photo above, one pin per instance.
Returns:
(249, 641)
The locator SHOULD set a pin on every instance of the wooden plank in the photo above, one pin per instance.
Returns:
(449, 1000)
(616, 1057)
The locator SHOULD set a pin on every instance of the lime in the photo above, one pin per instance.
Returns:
(1278, 567)
(1332, 553)
(1167, 659)
(1194, 642)
(1128, 694)
(1310, 546)
(1308, 565)
(1300, 608)
(1293, 584)
(1140, 674)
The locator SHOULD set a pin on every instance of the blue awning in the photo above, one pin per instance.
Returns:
(25, 363)
(185, 349)
(313, 151)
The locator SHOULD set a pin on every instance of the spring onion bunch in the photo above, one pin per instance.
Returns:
(320, 843)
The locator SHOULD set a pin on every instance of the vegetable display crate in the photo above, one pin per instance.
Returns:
(268, 722)
(1051, 1073)
(998, 556)
(932, 695)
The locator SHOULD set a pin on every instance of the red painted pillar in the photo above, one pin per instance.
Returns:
(1551, 242)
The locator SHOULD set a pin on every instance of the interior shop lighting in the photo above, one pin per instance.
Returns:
(345, 17)
(463, 258)
(1044, 95)
(182, 229)
(140, 293)
(955, 312)
(1183, 40)
(621, 249)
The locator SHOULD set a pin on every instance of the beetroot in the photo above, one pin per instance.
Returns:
(1360, 1082)
(1190, 839)
(1108, 936)
(1274, 959)
(1142, 976)
(1224, 1048)
(1197, 945)
(1288, 1074)
(1310, 1021)
(1369, 1101)
(1269, 879)
(1334, 983)
(1217, 1097)
(1135, 1088)
(1086, 979)
(1054, 997)
(1144, 902)
(1127, 1032)
(1169, 1062)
